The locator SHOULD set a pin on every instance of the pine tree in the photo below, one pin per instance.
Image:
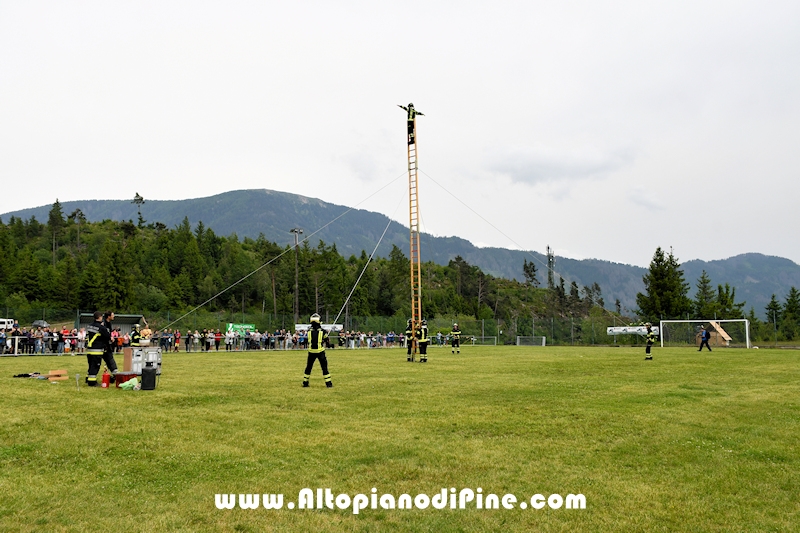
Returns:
(704, 300)
(116, 282)
(55, 220)
(727, 307)
(666, 295)
(790, 319)
(774, 311)
(529, 271)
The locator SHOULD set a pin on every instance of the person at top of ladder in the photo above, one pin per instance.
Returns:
(412, 114)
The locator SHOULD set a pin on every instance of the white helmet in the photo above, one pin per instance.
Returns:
(315, 318)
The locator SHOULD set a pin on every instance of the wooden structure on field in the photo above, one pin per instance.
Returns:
(717, 335)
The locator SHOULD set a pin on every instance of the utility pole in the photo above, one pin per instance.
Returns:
(297, 232)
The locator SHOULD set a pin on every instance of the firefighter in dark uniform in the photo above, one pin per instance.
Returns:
(98, 339)
(108, 355)
(409, 339)
(422, 334)
(455, 342)
(412, 113)
(136, 336)
(316, 350)
(650, 338)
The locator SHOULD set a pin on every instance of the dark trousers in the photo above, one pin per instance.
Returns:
(323, 363)
(647, 350)
(704, 343)
(455, 343)
(108, 358)
(94, 367)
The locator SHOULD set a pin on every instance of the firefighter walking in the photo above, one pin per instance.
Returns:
(316, 350)
(98, 339)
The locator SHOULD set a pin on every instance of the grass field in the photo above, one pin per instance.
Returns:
(687, 442)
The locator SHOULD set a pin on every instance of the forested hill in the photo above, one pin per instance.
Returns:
(249, 213)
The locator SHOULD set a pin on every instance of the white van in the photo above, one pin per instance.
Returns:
(7, 323)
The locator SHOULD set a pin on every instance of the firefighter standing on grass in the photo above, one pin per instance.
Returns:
(422, 334)
(108, 355)
(316, 350)
(98, 339)
(409, 338)
(650, 339)
(455, 343)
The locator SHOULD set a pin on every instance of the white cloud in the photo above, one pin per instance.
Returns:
(542, 165)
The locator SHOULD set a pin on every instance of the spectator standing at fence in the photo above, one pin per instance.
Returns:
(80, 341)
(64, 339)
(38, 336)
(55, 342)
(210, 338)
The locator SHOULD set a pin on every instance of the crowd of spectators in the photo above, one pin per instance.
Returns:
(42, 340)
(45, 340)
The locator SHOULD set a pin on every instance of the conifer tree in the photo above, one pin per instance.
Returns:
(727, 306)
(529, 271)
(774, 311)
(666, 291)
(704, 300)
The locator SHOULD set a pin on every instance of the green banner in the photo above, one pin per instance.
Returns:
(241, 328)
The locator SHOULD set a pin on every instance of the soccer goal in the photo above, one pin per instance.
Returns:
(531, 340)
(479, 341)
(731, 333)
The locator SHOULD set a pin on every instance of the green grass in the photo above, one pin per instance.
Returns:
(687, 442)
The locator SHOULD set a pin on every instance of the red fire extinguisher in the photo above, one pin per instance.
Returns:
(106, 379)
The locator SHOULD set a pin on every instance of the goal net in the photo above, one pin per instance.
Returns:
(531, 341)
(733, 333)
(478, 340)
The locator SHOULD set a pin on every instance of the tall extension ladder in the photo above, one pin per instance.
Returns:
(413, 203)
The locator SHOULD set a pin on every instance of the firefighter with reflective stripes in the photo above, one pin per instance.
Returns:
(98, 339)
(316, 350)
(422, 334)
(409, 339)
(412, 115)
(136, 336)
(650, 338)
(455, 343)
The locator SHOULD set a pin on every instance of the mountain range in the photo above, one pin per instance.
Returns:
(248, 213)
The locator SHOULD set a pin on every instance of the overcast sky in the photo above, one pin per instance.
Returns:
(602, 129)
